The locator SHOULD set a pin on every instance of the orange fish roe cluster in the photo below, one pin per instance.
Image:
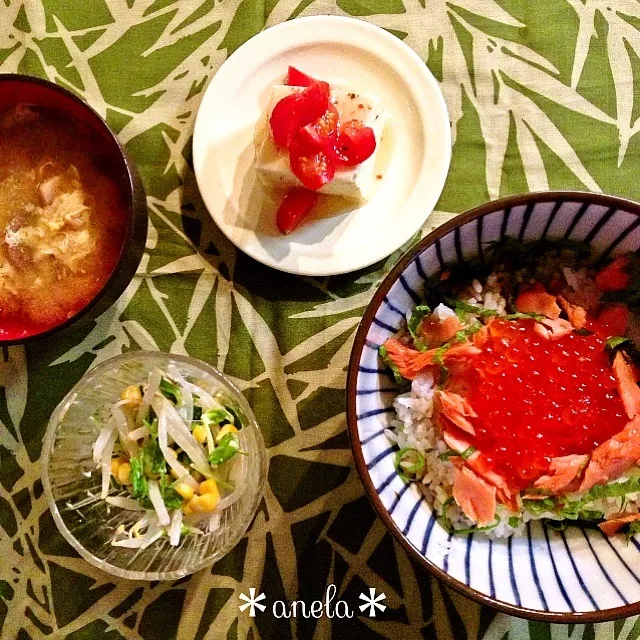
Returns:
(537, 399)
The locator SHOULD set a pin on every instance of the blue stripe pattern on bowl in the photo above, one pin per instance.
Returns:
(544, 571)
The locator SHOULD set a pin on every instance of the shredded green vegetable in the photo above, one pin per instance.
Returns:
(519, 315)
(139, 483)
(152, 458)
(470, 308)
(467, 453)
(397, 376)
(236, 417)
(417, 314)
(538, 507)
(228, 447)
(170, 390)
(615, 341)
(217, 416)
(634, 529)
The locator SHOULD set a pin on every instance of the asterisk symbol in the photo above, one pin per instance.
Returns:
(252, 602)
(372, 602)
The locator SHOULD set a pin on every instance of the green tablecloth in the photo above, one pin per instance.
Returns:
(541, 95)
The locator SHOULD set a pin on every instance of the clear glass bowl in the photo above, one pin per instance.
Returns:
(72, 482)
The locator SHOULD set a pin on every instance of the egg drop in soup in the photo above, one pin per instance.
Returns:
(62, 218)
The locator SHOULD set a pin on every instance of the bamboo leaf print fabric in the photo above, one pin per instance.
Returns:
(543, 94)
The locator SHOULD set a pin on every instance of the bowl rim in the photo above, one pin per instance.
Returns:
(133, 184)
(49, 438)
(602, 615)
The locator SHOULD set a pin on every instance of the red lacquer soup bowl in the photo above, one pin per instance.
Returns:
(73, 216)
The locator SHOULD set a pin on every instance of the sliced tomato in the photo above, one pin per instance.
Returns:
(322, 133)
(297, 78)
(295, 206)
(297, 110)
(313, 167)
(355, 143)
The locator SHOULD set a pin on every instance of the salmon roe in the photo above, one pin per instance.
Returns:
(537, 399)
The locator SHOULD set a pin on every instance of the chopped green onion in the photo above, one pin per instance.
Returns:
(403, 464)
(449, 453)
(445, 507)
(583, 332)
(467, 453)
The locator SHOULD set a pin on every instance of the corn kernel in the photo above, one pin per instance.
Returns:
(115, 463)
(205, 503)
(124, 473)
(208, 486)
(187, 507)
(228, 428)
(184, 490)
(132, 395)
(200, 433)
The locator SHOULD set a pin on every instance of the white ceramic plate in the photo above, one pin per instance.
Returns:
(335, 238)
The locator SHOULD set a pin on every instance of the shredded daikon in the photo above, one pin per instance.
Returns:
(186, 394)
(130, 446)
(105, 463)
(102, 440)
(168, 453)
(139, 433)
(153, 533)
(214, 522)
(173, 448)
(183, 437)
(124, 503)
(207, 401)
(176, 526)
(158, 503)
(154, 382)
(139, 526)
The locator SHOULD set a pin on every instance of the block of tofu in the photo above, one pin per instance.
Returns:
(272, 162)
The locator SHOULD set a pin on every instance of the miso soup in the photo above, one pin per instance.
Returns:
(62, 218)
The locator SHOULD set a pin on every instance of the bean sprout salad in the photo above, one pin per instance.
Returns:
(170, 450)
